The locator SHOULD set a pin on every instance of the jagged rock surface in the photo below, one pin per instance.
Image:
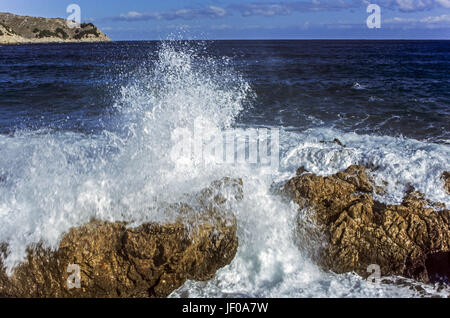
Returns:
(352, 230)
(151, 260)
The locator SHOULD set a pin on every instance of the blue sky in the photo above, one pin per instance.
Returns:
(251, 19)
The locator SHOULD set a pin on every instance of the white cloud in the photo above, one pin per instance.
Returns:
(414, 5)
(184, 14)
(220, 12)
(409, 5)
(272, 8)
(137, 16)
(444, 3)
(430, 19)
(431, 22)
(131, 14)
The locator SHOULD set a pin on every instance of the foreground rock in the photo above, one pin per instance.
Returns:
(16, 29)
(446, 178)
(352, 231)
(151, 260)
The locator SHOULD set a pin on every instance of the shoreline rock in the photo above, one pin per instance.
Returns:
(151, 260)
(353, 231)
(446, 177)
(15, 29)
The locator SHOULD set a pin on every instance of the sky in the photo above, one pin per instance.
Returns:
(250, 19)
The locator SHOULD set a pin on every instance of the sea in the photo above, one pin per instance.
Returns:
(94, 130)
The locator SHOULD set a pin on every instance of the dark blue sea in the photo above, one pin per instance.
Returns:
(395, 88)
(89, 131)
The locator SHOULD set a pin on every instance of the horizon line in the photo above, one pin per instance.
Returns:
(288, 39)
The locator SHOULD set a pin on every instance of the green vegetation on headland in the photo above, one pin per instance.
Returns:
(60, 33)
(86, 33)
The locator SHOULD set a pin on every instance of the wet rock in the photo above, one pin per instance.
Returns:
(115, 260)
(334, 141)
(337, 141)
(380, 190)
(371, 166)
(446, 177)
(301, 171)
(355, 231)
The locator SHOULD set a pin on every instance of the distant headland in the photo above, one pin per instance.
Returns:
(16, 29)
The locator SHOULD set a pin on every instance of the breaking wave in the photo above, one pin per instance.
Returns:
(51, 181)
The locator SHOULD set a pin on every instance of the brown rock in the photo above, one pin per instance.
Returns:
(301, 171)
(410, 239)
(337, 141)
(151, 260)
(446, 178)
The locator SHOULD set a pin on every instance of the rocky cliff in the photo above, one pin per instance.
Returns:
(15, 29)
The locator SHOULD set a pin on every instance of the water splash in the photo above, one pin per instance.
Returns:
(57, 180)
(52, 181)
